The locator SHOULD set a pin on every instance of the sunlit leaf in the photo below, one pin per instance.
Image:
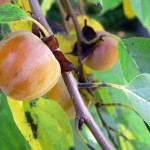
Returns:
(129, 120)
(21, 25)
(125, 143)
(110, 5)
(128, 10)
(43, 123)
(129, 68)
(11, 12)
(138, 92)
(17, 109)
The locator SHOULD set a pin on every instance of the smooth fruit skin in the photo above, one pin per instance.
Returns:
(60, 94)
(105, 55)
(4, 1)
(28, 69)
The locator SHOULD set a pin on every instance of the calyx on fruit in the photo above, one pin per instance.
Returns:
(28, 69)
(100, 51)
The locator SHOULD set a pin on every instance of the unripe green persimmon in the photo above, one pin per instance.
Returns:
(28, 69)
(105, 55)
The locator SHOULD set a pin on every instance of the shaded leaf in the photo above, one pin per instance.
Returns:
(8, 129)
(46, 5)
(141, 9)
(99, 3)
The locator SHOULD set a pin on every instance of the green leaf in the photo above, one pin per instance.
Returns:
(139, 50)
(10, 136)
(109, 95)
(97, 2)
(138, 90)
(138, 145)
(130, 120)
(43, 123)
(106, 4)
(11, 12)
(129, 68)
(141, 9)
(110, 4)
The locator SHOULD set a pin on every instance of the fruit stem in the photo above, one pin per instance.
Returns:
(113, 36)
(80, 2)
(95, 85)
(115, 104)
(40, 26)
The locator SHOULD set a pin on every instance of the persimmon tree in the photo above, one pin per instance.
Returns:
(101, 100)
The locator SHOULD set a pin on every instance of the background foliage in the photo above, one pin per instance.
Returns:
(130, 21)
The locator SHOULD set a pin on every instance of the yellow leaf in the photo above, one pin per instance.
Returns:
(97, 26)
(17, 108)
(128, 10)
(125, 144)
(43, 123)
(19, 25)
(66, 45)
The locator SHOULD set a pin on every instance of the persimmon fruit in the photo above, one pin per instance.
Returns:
(28, 68)
(105, 55)
(4, 1)
(60, 94)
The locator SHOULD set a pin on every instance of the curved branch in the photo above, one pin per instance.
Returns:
(80, 108)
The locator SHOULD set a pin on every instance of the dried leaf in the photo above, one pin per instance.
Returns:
(65, 64)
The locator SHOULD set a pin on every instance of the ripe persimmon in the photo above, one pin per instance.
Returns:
(28, 69)
(4, 1)
(105, 55)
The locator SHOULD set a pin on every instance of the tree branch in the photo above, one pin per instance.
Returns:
(80, 108)
(80, 2)
(74, 19)
(63, 14)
